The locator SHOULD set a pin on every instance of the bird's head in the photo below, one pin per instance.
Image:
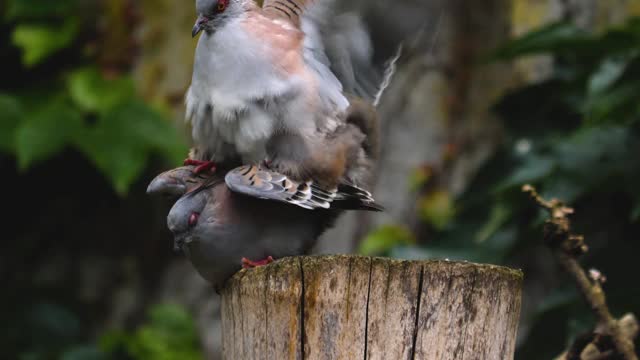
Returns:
(198, 215)
(214, 13)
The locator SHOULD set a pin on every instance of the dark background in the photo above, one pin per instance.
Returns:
(489, 96)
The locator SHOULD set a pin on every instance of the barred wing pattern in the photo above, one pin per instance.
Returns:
(263, 183)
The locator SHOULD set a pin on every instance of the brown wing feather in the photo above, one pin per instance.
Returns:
(290, 10)
(263, 183)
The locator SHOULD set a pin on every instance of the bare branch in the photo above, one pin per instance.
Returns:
(567, 246)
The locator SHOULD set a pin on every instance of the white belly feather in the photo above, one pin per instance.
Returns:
(225, 102)
(238, 97)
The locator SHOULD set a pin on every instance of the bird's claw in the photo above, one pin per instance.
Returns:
(201, 166)
(248, 264)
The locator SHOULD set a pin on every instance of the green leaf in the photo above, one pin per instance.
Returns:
(93, 93)
(618, 105)
(531, 170)
(112, 341)
(123, 139)
(585, 159)
(39, 9)
(10, 115)
(120, 160)
(551, 38)
(500, 214)
(609, 71)
(565, 186)
(46, 132)
(437, 209)
(150, 127)
(386, 238)
(170, 335)
(592, 152)
(619, 39)
(40, 41)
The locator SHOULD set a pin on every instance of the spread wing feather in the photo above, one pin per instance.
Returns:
(263, 183)
(336, 39)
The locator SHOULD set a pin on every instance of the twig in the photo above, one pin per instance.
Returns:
(567, 247)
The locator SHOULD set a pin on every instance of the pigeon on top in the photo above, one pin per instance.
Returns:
(271, 85)
(261, 182)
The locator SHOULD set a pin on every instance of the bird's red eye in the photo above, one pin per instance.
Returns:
(222, 5)
(193, 219)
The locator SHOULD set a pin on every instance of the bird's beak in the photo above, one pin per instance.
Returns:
(167, 185)
(199, 26)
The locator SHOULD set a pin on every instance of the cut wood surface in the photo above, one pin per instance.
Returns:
(354, 307)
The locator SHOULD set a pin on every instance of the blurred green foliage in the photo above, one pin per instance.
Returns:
(386, 238)
(76, 101)
(49, 331)
(169, 334)
(574, 135)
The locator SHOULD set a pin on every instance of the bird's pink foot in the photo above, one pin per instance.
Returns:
(201, 166)
(248, 264)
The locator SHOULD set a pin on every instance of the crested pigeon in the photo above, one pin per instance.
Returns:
(271, 85)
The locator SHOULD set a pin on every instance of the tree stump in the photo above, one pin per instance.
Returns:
(353, 307)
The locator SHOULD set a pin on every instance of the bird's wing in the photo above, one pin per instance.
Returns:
(337, 44)
(292, 11)
(263, 183)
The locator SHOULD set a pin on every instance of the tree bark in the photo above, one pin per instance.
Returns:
(350, 307)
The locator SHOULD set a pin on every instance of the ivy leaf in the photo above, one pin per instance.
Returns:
(115, 151)
(386, 238)
(121, 163)
(10, 114)
(151, 128)
(123, 139)
(40, 41)
(46, 132)
(93, 93)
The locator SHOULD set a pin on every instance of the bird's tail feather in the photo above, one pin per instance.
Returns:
(389, 72)
(351, 197)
